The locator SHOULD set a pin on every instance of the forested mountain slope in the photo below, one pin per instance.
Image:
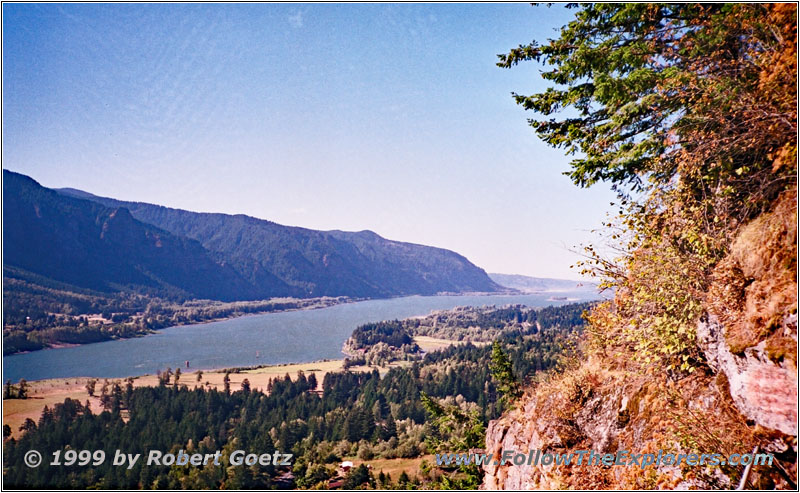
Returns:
(108, 245)
(283, 260)
(89, 245)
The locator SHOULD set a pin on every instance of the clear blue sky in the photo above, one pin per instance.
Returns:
(386, 117)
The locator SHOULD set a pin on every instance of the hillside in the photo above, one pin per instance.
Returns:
(88, 245)
(281, 260)
(690, 112)
(109, 245)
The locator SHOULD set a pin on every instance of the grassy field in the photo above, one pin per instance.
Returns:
(429, 344)
(49, 392)
(43, 393)
(259, 377)
(395, 467)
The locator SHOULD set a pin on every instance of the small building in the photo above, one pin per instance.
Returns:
(346, 466)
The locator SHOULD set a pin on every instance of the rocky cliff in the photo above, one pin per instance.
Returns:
(741, 396)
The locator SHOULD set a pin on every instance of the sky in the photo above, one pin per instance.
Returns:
(390, 117)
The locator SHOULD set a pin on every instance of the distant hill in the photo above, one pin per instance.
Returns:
(89, 245)
(540, 284)
(104, 244)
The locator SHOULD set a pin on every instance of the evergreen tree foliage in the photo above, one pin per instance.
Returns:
(507, 384)
(366, 409)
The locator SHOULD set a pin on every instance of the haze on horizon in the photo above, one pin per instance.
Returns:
(392, 118)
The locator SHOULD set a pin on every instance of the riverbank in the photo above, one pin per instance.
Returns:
(52, 391)
(193, 312)
(267, 339)
(200, 312)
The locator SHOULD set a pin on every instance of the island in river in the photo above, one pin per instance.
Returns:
(264, 339)
(255, 366)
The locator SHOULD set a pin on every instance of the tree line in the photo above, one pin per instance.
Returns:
(359, 414)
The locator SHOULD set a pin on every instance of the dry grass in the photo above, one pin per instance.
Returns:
(45, 393)
(429, 344)
(53, 391)
(260, 377)
(754, 289)
(395, 467)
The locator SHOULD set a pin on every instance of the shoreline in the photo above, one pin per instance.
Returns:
(347, 300)
(217, 367)
(311, 306)
(428, 344)
(52, 391)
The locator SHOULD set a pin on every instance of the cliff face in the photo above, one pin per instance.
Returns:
(742, 396)
(610, 411)
(750, 333)
(764, 391)
(573, 414)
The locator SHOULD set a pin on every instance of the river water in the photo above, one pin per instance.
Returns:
(272, 338)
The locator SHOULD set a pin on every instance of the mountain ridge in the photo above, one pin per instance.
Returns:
(88, 245)
(529, 284)
(252, 258)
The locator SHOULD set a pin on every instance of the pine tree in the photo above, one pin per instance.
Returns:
(22, 391)
(403, 480)
(312, 382)
(91, 384)
(28, 425)
(390, 430)
(502, 372)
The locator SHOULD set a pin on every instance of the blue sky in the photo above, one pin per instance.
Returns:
(389, 117)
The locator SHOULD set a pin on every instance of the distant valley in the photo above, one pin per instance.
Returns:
(80, 268)
(528, 284)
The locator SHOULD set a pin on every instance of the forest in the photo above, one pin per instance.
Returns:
(356, 414)
(383, 342)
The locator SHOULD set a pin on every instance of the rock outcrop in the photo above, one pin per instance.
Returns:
(764, 391)
(532, 427)
(741, 392)
(610, 411)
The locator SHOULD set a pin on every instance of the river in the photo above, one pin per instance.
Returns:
(271, 338)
